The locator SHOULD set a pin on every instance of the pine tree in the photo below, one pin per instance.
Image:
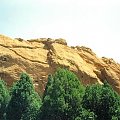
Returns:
(86, 115)
(102, 100)
(4, 99)
(62, 97)
(92, 98)
(25, 102)
(110, 102)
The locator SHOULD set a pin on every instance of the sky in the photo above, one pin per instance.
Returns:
(90, 23)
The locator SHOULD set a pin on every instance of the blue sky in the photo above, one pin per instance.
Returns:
(92, 23)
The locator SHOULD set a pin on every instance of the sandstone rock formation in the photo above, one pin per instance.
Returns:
(40, 57)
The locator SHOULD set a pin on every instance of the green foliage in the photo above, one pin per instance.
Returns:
(92, 98)
(116, 113)
(62, 97)
(102, 100)
(34, 105)
(4, 99)
(86, 115)
(110, 102)
(25, 102)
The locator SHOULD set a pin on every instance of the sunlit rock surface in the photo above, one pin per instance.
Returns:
(40, 57)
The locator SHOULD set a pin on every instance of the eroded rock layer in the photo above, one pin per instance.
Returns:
(40, 57)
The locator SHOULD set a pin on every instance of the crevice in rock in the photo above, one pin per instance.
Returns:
(16, 46)
(27, 58)
(10, 48)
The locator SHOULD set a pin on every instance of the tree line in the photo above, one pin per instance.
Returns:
(64, 98)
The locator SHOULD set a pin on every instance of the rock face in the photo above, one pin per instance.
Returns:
(40, 57)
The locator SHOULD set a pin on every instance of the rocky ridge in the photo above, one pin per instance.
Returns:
(40, 57)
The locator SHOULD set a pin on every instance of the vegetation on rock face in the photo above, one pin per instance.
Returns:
(4, 99)
(25, 102)
(64, 98)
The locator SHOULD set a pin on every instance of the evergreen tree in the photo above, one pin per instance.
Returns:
(62, 97)
(116, 115)
(32, 111)
(102, 100)
(86, 115)
(110, 102)
(92, 98)
(4, 99)
(25, 102)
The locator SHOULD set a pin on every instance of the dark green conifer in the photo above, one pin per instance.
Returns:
(4, 99)
(102, 100)
(25, 102)
(62, 97)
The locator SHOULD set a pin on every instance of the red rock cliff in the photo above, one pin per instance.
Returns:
(40, 57)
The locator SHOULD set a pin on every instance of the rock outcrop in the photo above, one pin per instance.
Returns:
(40, 57)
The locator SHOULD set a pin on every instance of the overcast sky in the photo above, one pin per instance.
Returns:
(92, 23)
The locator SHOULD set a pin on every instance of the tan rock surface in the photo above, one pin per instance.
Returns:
(40, 57)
